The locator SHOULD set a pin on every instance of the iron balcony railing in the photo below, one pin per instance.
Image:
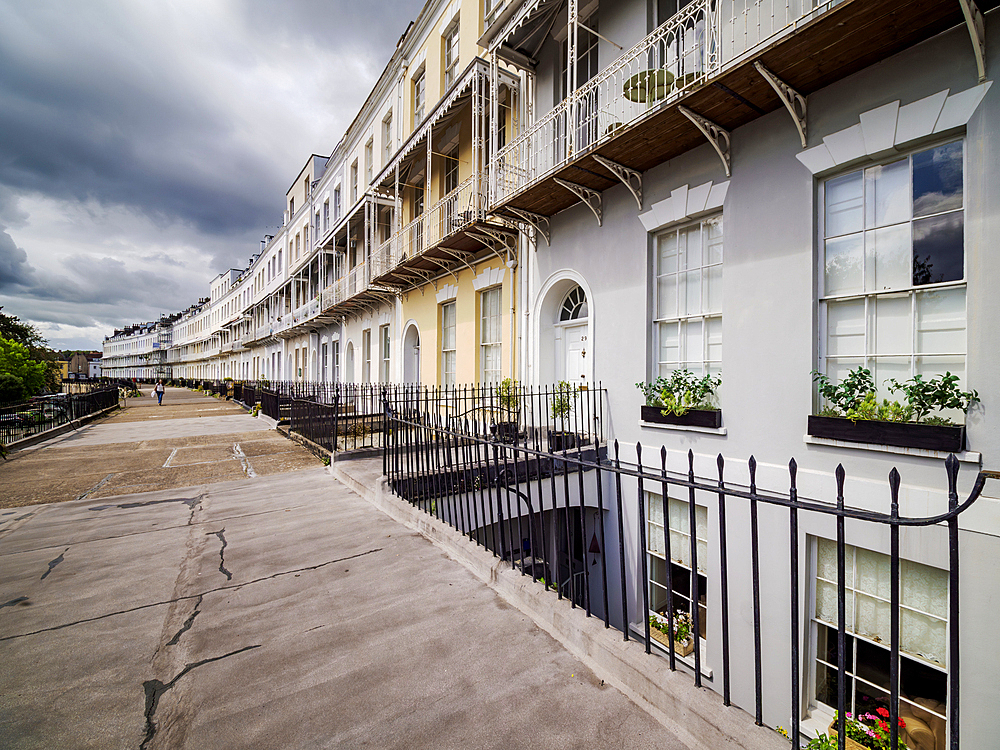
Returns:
(350, 284)
(44, 413)
(698, 43)
(528, 506)
(456, 211)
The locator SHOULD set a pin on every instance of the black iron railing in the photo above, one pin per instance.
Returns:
(43, 413)
(526, 503)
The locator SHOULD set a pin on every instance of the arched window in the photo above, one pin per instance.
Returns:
(574, 305)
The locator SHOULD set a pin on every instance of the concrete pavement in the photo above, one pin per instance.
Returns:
(192, 438)
(277, 611)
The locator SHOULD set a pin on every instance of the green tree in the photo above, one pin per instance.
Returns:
(13, 328)
(20, 376)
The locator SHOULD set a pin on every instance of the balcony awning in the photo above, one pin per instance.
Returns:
(516, 30)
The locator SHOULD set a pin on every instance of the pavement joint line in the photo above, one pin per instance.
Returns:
(96, 487)
(186, 597)
(166, 464)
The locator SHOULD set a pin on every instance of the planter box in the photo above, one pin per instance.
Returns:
(694, 418)
(681, 649)
(561, 441)
(506, 432)
(900, 434)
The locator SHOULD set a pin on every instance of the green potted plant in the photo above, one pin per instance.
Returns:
(563, 398)
(659, 630)
(508, 404)
(682, 399)
(853, 412)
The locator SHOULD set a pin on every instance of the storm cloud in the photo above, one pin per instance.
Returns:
(146, 146)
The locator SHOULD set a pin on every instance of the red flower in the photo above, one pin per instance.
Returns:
(882, 712)
(883, 726)
(902, 723)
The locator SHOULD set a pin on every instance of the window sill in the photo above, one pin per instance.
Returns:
(969, 457)
(683, 428)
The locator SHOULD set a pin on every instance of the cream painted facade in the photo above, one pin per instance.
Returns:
(364, 251)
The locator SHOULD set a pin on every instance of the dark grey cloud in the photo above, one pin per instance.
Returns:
(184, 122)
(14, 268)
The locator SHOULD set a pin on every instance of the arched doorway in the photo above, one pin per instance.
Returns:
(349, 363)
(564, 332)
(411, 354)
(574, 318)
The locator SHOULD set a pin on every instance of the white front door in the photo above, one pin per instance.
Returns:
(576, 347)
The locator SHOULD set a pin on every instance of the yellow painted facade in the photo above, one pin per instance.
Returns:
(423, 307)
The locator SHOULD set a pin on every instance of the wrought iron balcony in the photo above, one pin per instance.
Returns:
(451, 232)
(698, 75)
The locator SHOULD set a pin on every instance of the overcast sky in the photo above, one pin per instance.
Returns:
(146, 145)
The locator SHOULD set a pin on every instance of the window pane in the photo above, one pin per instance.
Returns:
(884, 368)
(693, 345)
(844, 265)
(941, 321)
(888, 194)
(692, 292)
(937, 179)
(713, 289)
(923, 587)
(938, 249)
(668, 253)
(892, 324)
(669, 343)
(846, 328)
(893, 264)
(666, 297)
(713, 241)
(691, 245)
(844, 204)
(713, 337)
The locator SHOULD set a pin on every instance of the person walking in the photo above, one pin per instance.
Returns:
(158, 389)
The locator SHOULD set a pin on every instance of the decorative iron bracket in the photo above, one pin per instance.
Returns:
(794, 102)
(590, 197)
(495, 241)
(458, 255)
(717, 136)
(977, 30)
(631, 178)
(536, 221)
(448, 267)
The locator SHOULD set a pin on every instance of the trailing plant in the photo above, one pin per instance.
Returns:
(871, 730)
(821, 742)
(563, 396)
(681, 392)
(507, 394)
(682, 625)
(937, 394)
(886, 411)
(849, 393)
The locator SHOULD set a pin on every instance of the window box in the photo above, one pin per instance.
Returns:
(681, 648)
(901, 434)
(693, 418)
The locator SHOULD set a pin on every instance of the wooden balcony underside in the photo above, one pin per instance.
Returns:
(846, 39)
(447, 256)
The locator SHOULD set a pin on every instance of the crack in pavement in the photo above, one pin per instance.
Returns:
(53, 564)
(96, 487)
(222, 552)
(187, 623)
(188, 501)
(86, 620)
(154, 689)
(12, 602)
